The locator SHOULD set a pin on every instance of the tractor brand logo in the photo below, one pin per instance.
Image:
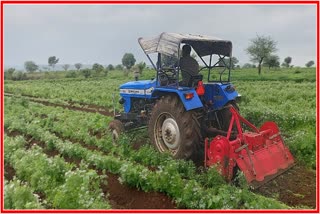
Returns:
(137, 91)
(130, 91)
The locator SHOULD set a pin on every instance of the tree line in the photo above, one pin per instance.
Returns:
(261, 50)
(128, 64)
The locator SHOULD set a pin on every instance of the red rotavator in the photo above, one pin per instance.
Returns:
(260, 154)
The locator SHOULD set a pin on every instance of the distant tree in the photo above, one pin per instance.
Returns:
(8, 73)
(97, 68)
(309, 64)
(78, 66)
(66, 67)
(110, 67)
(141, 66)
(30, 66)
(128, 60)
(287, 61)
(233, 63)
(86, 72)
(248, 65)
(119, 67)
(52, 61)
(261, 48)
(273, 61)
(11, 70)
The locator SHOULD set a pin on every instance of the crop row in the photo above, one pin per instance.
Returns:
(186, 192)
(285, 99)
(61, 184)
(97, 92)
(77, 126)
(19, 195)
(292, 106)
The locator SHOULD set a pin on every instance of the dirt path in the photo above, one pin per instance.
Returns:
(122, 197)
(295, 187)
(71, 106)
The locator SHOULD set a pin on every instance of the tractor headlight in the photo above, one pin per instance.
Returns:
(122, 100)
(238, 98)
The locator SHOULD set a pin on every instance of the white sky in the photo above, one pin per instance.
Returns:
(103, 33)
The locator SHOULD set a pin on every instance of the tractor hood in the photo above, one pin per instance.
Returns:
(142, 84)
(136, 89)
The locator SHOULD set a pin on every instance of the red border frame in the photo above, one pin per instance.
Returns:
(190, 2)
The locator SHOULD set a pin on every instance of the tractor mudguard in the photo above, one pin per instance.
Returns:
(189, 104)
(220, 94)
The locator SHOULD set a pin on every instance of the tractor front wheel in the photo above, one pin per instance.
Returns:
(174, 130)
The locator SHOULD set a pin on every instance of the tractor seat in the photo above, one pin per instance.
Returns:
(193, 81)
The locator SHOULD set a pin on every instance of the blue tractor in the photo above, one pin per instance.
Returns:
(182, 113)
(180, 110)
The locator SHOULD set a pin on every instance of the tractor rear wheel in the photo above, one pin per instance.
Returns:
(173, 129)
(225, 116)
(116, 127)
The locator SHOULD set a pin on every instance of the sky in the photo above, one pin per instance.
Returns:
(103, 33)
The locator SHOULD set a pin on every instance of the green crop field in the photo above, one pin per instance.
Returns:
(59, 153)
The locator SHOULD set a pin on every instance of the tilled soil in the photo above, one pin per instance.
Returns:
(9, 172)
(295, 187)
(91, 108)
(124, 197)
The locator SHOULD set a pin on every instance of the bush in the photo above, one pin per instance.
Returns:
(86, 72)
(19, 76)
(71, 74)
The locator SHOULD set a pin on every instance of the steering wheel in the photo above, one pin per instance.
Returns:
(166, 74)
(168, 70)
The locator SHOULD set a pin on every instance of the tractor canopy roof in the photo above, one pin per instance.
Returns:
(169, 43)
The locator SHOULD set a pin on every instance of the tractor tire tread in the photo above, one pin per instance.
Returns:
(188, 126)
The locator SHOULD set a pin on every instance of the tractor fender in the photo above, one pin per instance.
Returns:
(189, 104)
(220, 94)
